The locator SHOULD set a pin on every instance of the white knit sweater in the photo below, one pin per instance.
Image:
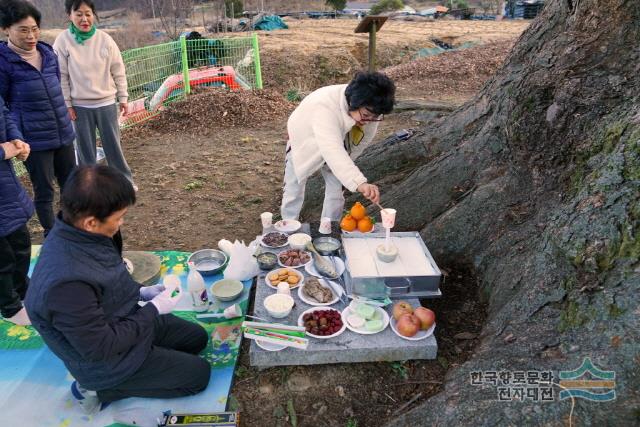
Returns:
(91, 73)
(317, 129)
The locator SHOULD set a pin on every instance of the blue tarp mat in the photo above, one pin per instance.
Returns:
(270, 23)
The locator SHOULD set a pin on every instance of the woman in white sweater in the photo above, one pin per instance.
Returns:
(329, 129)
(94, 84)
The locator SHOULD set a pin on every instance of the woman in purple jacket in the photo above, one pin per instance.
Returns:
(30, 86)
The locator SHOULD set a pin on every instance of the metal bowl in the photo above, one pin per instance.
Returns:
(267, 260)
(320, 242)
(209, 261)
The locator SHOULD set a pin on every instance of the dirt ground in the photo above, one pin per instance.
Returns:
(206, 175)
(196, 189)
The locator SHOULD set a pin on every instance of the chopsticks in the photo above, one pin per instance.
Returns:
(379, 206)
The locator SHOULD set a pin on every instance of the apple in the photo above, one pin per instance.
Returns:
(401, 308)
(427, 317)
(408, 325)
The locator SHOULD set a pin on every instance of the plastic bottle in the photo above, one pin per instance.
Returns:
(196, 289)
(172, 281)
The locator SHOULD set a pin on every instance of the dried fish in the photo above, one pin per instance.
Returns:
(322, 265)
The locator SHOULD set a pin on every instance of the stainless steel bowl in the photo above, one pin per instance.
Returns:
(267, 261)
(209, 261)
(320, 242)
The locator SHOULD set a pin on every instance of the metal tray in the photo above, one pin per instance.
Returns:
(393, 287)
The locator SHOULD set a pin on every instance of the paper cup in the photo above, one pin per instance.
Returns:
(325, 225)
(233, 311)
(267, 219)
(388, 217)
(284, 288)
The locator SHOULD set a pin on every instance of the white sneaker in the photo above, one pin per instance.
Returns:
(20, 318)
(135, 188)
(87, 399)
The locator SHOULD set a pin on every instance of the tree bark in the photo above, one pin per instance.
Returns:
(536, 183)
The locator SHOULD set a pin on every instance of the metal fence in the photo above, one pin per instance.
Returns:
(160, 74)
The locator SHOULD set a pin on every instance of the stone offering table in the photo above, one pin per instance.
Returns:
(349, 347)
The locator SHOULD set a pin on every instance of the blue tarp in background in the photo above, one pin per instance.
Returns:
(270, 23)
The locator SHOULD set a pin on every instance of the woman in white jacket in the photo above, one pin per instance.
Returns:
(329, 129)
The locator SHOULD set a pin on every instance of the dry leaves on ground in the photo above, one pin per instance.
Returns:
(210, 109)
(462, 70)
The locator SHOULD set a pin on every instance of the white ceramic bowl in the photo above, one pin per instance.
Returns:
(227, 289)
(273, 302)
(299, 240)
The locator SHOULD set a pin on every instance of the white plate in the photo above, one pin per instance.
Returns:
(359, 232)
(311, 267)
(274, 247)
(287, 225)
(385, 321)
(417, 337)
(268, 282)
(270, 346)
(301, 323)
(311, 301)
(294, 266)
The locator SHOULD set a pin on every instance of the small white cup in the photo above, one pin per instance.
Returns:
(284, 288)
(388, 217)
(267, 219)
(325, 225)
(232, 311)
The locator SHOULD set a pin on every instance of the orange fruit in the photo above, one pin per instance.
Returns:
(358, 211)
(365, 224)
(348, 223)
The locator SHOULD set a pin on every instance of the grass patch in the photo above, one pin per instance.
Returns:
(194, 185)
(400, 369)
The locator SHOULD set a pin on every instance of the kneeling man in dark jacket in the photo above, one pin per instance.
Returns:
(84, 303)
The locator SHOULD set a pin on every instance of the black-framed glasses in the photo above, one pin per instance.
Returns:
(368, 116)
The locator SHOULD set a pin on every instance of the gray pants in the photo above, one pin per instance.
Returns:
(105, 119)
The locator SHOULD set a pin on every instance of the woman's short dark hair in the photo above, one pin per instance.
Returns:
(372, 90)
(12, 11)
(73, 5)
(95, 190)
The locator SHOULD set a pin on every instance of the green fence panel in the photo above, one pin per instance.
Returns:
(160, 74)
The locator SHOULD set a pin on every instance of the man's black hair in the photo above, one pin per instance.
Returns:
(12, 11)
(375, 91)
(73, 5)
(95, 190)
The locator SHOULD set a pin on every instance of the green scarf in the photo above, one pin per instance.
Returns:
(79, 35)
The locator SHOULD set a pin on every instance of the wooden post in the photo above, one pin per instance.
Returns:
(371, 25)
(372, 47)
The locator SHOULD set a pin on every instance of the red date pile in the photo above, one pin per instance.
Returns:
(322, 322)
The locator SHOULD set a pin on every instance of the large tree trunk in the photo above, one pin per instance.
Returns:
(536, 183)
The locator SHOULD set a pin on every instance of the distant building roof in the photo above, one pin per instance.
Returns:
(442, 9)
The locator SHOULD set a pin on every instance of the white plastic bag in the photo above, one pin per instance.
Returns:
(242, 264)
